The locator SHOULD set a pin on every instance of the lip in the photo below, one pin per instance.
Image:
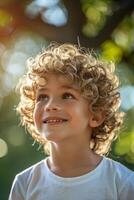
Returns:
(59, 120)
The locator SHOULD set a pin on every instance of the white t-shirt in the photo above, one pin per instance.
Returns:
(110, 180)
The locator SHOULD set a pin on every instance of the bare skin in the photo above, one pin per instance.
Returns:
(72, 161)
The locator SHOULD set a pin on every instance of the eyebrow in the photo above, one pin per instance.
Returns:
(63, 86)
(69, 87)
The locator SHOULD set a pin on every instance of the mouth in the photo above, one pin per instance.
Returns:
(54, 120)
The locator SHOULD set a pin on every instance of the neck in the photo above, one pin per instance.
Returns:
(72, 160)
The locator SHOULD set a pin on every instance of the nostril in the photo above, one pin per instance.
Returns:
(52, 108)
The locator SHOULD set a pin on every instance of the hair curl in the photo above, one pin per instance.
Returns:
(96, 79)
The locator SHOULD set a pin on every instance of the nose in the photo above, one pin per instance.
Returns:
(53, 105)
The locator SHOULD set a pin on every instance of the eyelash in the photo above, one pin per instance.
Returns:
(69, 95)
(41, 97)
(65, 95)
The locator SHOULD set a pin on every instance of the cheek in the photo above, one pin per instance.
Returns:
(77, 111)
(82, 114)
(37, 116)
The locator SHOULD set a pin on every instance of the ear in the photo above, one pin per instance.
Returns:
(96, 118)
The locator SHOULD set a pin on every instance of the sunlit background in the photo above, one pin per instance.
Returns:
(26, 27)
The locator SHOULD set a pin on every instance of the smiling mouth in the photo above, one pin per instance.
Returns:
(54, 121)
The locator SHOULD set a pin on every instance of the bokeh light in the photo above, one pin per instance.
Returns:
(6, 22)
(111, 51)
(96, 13)
(55, 15)
(15, 136)
(52, 12)
(13, 59)
(2, 49)
(46, 3)
(122, 39)
(127, 91)
(5, 18)
(124, 146)
(3, 148)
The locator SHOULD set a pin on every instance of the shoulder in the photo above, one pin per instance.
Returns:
(29, 172)
(124, 177)
(118, 168)
(115, 170)
(25, 179)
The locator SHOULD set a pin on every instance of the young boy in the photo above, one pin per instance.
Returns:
(70, 104)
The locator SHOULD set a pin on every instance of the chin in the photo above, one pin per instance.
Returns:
(53, 137)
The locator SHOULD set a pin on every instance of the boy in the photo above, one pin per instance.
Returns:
(70, 104)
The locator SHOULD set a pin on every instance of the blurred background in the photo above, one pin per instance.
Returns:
(26, 26)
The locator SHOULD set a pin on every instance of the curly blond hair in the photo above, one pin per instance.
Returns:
(97, 81)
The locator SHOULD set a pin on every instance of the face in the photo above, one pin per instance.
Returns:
(61, 113)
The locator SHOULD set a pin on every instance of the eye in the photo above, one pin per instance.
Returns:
(42, 97)
(68, 95)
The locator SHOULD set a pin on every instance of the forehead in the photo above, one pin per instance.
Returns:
(59, 79)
